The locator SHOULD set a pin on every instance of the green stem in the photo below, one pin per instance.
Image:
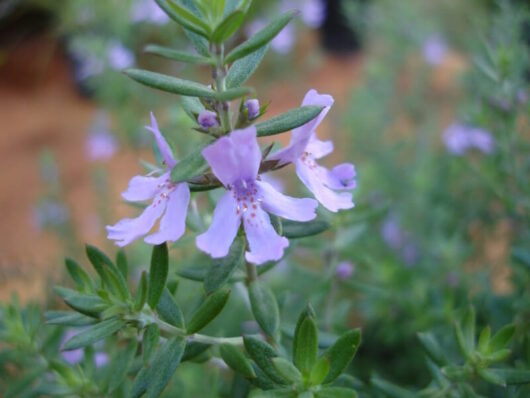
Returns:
(219, 76)
(252, 273)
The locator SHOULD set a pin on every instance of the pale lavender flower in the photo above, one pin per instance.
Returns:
(434, 50)
(303, 151)
(73, 357)
(171, 198)
(148, 11)
(459, 138)
(208, 119)
(392, 233)
(345, 270)
(101, 143)
(100, 359)
(252, 106)
(119, 56)
(235, 161)
(282, 43)
(313, 13)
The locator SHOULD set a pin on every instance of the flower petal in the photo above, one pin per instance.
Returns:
(319, 148)
(342, 176)
(235, 157)
(129, 229)
(216, 241)
(143, 188)
(265, 244)
(312, 179)
(285, 206)
(173, 222)
(164, 147)
(300, 136)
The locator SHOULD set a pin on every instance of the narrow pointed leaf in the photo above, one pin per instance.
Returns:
(94, 333)
(87, 304)
(432, 348)
(287, 370)
(306, 352)
(157, 274)
(236, 360)
(193, 350)
(261, 38)
(149, 341)
(66, 318)
(184, 17)
(191, 166)
(501, 338)
(319, 371)
(170, 84)
(211, 307)
(232, 93)
(468, 329)
(152, 380)
(512, 376)
(262, 353)
(484, 339)
(295, 230)
(228, 26)
(264, 307)
(141, 292)
(223, 268)
(287, 121)
(122, 264)
(78, 274)
(336, 392)
(120, 365)
(177, 55)
(341, 353)
(109, 273)
(169, 311)
(243, 68)
(491, 377)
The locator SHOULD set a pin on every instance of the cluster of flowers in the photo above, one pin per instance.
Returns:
(460, 138)
(235, 160)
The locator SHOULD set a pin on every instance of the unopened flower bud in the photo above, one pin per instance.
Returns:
(252, 106)
(208, 119)
(345, 270)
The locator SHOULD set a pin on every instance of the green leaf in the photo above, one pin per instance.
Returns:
(484, 339)
(501, 338)
(191, 166)
(222, 269)
(141, 292)
(157, 274)
(243, 68)
(87, 304)
(499, 355)
(121, 263)
(455, 373)
(170, 84)
(149, 342)
(261, 38)
(390, 389)
(120, 365)
(94, 333)
(177, 55)
(153, 379)
(78, 275)
(274, 393)
(211, 307)
(432, 348)
(521, 256)
(192, 106)
(236, 360)
(193, 350)
(512, 376)
(228, 26)
(232, 93)
(341, 353)
(262, 353)
(319, 371)
(264, 307)
(336, 392)
(305, 343)
(491, 377)
(169, 311)
(16, 388)
(108, 272)
(295, 230)
(287, 370)
(65, 318)
(468, 329)
(184, 17)
(287, 121)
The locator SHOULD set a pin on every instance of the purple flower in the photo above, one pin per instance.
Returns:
(208, 119)
(434, 50)
(100, 359)
(345, 270)
(119, 56)
(459, 138)
(148, 11)
(392, 233)
(303, 151)
(100, 143)
(252, 106)
(73, 357)
(173, 198)
(313, 13)
(235, 161)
